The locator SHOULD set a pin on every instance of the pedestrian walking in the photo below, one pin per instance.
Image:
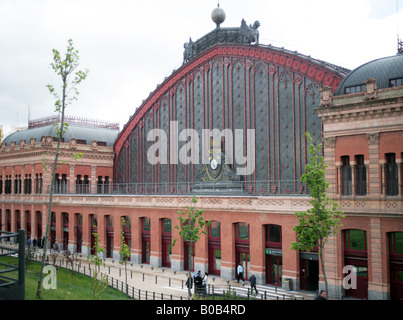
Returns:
(189, 284)
(240, 273)
(205, 280)
(253, 284)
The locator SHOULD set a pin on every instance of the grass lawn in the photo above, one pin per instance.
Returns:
(67, 288)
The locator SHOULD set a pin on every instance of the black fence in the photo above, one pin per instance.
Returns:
(12, 288)
(211, 291)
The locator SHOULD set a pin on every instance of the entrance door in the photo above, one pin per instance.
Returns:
(166, 252)
(274, 266)
(79, 238)
(309, 274)
(243, 258)
(109, 242)
(396, 283)
(215, 260)
(146, 250)
(360, 269)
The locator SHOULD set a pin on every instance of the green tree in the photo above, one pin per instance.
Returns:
(324, 218)
(124, 251)
(66, 68)
(192, 225)
(98, 286)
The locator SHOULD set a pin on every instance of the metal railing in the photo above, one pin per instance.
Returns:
(241, 188)
(12, 288)
(211, 291)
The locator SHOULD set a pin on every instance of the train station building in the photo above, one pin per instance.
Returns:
(229, 127)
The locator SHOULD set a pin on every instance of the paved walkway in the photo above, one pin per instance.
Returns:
(169, 282)
(164, 283)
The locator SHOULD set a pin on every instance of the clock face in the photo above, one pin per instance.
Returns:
(213, 164)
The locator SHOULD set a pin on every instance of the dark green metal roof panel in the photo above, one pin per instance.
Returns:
(74, 131)
(383, 70)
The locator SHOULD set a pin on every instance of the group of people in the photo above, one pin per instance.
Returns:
(200, 283)
(36, 243)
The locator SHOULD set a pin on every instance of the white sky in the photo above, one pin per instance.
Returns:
(130, 46)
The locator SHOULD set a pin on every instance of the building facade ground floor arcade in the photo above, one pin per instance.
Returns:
(255, 232)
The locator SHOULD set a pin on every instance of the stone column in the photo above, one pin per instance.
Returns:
(374, 187)
(377, 288)
(155, 246)
(257, 252)
(228, 250)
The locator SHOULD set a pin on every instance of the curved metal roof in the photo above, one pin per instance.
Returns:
(74, 131)
(383, 70)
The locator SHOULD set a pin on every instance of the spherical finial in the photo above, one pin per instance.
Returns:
(218, 16)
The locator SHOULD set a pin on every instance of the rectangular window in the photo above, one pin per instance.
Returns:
(242, 231)
(346, 176)
(354, 89)
(360, 176)
(273, 233)
(214, 230)
(167, 226)
(356, 239)
(146, 225)
(395, 82)
(391, 172)
(396, 242)
(217, 259)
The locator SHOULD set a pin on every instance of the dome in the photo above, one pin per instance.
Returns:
(88, 134)
(383, 70)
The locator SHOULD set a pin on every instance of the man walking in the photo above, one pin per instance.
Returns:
(240, 273)
(253, 284)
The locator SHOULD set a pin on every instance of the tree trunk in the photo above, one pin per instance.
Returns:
(190, 275)
(45, 245)
(323, 268)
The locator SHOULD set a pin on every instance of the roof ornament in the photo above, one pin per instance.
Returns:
(250, 32)
(189, 51)
(218, 15)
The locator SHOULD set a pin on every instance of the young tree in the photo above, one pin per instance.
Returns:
(192, 225)
(124, 251)
(66, 68)
(98, 286)
(324, 218)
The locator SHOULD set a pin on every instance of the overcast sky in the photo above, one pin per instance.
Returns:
(130, 46)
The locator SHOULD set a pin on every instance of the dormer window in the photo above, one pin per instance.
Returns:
(395, 82)
(354, 89)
